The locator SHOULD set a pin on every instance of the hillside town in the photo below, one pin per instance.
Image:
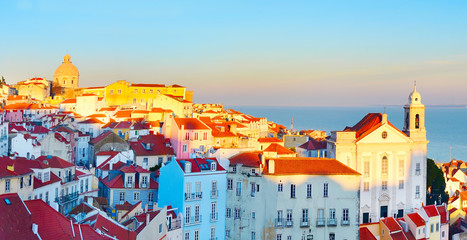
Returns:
(135, 160)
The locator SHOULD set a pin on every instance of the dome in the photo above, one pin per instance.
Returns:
(415, 97)
(67, 68)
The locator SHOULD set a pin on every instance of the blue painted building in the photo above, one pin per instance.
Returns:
(197, 187)
(129, 183)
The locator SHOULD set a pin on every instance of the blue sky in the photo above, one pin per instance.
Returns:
(248, 52)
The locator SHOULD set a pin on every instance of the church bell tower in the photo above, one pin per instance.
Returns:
(414, 122)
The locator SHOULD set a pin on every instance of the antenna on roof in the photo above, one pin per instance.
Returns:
(384, 110)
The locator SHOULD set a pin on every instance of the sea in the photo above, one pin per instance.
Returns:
(446, 126)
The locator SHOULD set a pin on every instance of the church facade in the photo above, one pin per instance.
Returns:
(392, 162)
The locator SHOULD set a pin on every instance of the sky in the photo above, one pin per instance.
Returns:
(300, 53)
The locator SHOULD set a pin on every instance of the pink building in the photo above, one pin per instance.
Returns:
(189, 136)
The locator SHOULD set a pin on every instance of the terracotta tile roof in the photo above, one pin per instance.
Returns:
(269, 140)
(147, 85)
(368, 124)
(105, 166)
(365, 234)
(101, 137)
(133, 169)
(15, 220)
(125, 206)
(9, 168)
(70, 100)
(279, 149)
(40, 130)
(91, 120)
(314, 144)
(398, 236)
(443, 214)
(249, 159)
(123, 114)
(142, 219)
(199, 164)
(391, 224)
(191, 124)
(81, 208)
(55, 162)
(157, 146)
(109, 227)
(117, 182)
(416, 219)
(431, 211)
(309, 166)
(61, 138)
(176, 86)
(452, 210)
(53, 179)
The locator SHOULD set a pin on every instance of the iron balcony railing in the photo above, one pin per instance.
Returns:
(345, 222)
(193, 196)
(320, 222)
(332, 222)
(279, 222)
(193, 220)
(215, 194)
(67, 198)
(289, 223)
(304, 222)
(174, 225)
(68, 178)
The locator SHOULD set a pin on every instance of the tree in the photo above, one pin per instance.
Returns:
(2, 81)
(435, 192)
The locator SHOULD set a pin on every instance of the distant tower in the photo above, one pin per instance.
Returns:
(414, 124)
(66, 77)
(291, 125)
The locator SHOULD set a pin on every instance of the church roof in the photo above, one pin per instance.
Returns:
(368, 124)
(66, 68)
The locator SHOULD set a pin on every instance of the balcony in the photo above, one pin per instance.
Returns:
(345, 222)
(193, 196)
(143, 185)
(215, 238)
(174, 225)
(193, 221)
(320, 222)
(215, 194)
(279, 222)
(289, 223)
(304, 222)
(68, 178)
(214, 217)
(129, 185)
(67, 198)
(332, 222)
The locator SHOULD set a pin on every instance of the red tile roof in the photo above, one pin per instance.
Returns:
(191, 124)
(55, 162)
(15, 220)
(368, 124)
(309, 166)
(61, 138)
(391, 224)
(443, 214)
(279, 149)
(123, 114)
(416, 219)
(70, 100)
(314, 144)
(53, 179)
(365, 234)
(431, 211)
(269, 140)
(91, 120)
(101, 137)
(125, 206)
(9, 168)
(199, 164)
(117, 182)
(157, 146)
(250, 159)
(40, 130)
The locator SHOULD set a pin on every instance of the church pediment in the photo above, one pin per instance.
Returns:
(384, 198)
(386, 133)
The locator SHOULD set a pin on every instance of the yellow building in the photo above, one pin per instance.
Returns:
(38, 88)
(99, 91)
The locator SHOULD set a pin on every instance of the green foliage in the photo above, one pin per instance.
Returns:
(435, 181)
(2, 81)
(293, 149)
(152, 169)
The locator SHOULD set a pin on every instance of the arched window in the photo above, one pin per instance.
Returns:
(134, 100)
(417, 121)
(384, 166)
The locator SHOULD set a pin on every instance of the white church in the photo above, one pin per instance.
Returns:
(392, 162)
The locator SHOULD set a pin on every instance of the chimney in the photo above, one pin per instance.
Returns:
(111, 165)
(261, 158)
(271, 166)
(147, 219)
(384, 120)
(146, 208)
(35, 229)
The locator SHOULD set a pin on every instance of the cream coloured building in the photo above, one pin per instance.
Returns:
(66, 78)
(392, 162)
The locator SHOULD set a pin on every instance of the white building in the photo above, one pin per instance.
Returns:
(291, 198)
(392, 162)
(25, 145)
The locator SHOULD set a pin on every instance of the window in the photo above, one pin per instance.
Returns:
(196, 136)
(366, 186)
(432, 228)
(417, 191)
(160, 228)
(289, 217)
(213, 211)
(47, 197)
(135, 91)
(187, 235)
(197, 218)
(159, 160)
(214, 189)
(21, 182)
(289, 237)
(384, 135)
(122, 196)
(253, 189)
(384, 166)
(308, 190)
(234, 169)
(7, 185)
(332, 213)
(401, 184)
(144, 180)
(366, 169)
(384, 185)
(253, 235)
(130, 181)
(196, 234)
(280, 187)
(187, 136)
(401, 167)
(325, 190)
(151, 91)
(205, 136)
(237, 213)
(417, 121)
(187, 215)
(143, 91)
(119, 91)
(332, 236)
(417, 169)
(279, 237)
(253, 215)
(345, 214)
(184, 148)
(304, 215)
(229, 183)
(228, 213)
(30, 179)
(292, 190)
(213, 232)
(151, 197)
(112, 91)
(437, 227)
(136, 196)
(239, 188)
